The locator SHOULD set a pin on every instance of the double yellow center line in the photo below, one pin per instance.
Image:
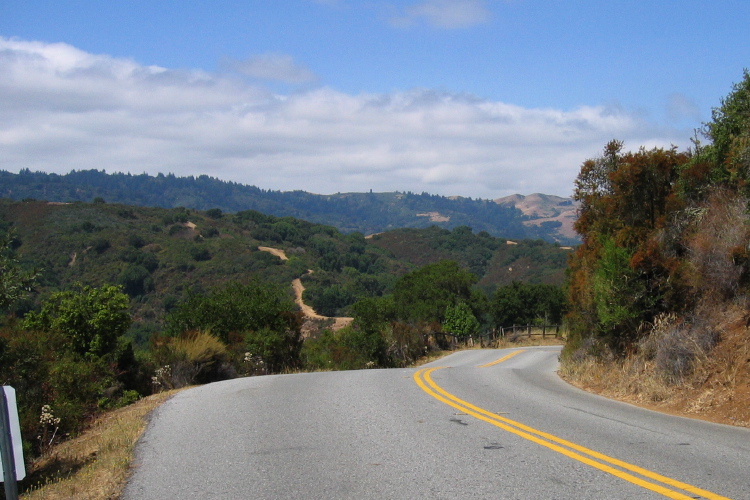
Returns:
(657, 483)
(504, 358)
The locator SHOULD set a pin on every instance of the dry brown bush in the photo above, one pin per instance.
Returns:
(720, 232)
(193, 357)
(676, 345)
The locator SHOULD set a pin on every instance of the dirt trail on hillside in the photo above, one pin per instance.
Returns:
(274, 251)
(299, 289)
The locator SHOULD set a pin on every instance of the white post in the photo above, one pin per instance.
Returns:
(11, 447)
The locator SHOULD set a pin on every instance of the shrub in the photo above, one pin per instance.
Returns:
(136, 241)
(176, 229)
(193, 357)
(136, 280)
(45, 373)
(279, 349)
(675, 346)
(90, 318)
(214, 213)
(716, 247)
(100, 245)
(200, 254)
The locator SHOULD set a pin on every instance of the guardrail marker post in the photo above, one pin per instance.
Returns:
(6, 447)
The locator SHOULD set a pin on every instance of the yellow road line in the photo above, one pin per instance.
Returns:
(492, 363)
(425, 382)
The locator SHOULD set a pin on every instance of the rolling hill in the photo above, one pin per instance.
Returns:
(367, 213)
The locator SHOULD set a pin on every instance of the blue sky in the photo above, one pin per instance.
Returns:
(456, 97)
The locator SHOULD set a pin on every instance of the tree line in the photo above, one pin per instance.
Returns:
(366, 213)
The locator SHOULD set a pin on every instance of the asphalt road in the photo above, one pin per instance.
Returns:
(508, 430)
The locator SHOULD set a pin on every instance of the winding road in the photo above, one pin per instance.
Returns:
(476, 424)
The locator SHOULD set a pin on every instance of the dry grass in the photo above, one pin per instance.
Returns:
(631, 379)
(197, 347)
(93, 466)
(715, 388)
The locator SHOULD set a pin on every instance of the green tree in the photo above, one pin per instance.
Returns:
(90, 318)
(618, 294)
(522, 303)
(425, 294)
(729, 132)
(460, 321)
(372, 316)
(14, 281)
(508, 306)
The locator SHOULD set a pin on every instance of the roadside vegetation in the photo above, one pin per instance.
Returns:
(659, 290)
(105, 305)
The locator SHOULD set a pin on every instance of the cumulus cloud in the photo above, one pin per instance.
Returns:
(273, 67)
(66, 109)
(445, 14)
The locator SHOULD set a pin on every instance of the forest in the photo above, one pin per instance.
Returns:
(366, 213)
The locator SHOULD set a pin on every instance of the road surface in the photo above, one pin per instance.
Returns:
(476, 424)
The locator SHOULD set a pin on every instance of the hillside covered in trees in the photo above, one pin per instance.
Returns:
(104, 303)
(366, 213)
(660, 288)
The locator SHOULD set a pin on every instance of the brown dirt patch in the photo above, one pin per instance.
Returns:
(274, 251)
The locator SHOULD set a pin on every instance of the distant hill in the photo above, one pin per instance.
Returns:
(495, 261)
(547, 211)
(367, 213)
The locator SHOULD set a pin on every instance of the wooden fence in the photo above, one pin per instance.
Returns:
(530, 330)
(487, 339)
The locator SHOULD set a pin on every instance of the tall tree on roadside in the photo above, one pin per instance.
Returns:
(729, 132)
(620, 275)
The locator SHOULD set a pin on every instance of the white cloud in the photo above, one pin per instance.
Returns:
(65, 109)
(273, 67)
(445, 14)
